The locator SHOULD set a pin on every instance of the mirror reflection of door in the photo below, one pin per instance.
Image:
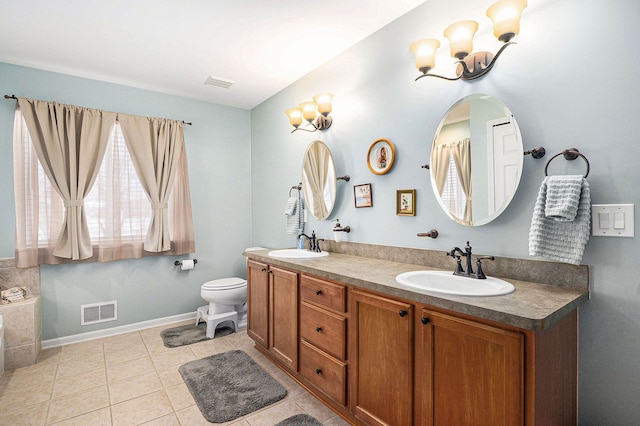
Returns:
(503, 158)
(476, 160)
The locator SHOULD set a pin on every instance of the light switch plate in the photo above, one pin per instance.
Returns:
(612, 220)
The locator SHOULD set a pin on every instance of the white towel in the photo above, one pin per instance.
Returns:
(563, 197)
(556, 233)
(295, 216)
(291, 206)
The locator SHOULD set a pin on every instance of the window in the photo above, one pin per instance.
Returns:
(117, 208)
(453, 195)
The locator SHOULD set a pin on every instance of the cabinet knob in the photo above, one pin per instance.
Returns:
(424, 320)
(318, 371)
(270, 271)
(318, 292)
(403, 313)
(263, 269)
(318, 329)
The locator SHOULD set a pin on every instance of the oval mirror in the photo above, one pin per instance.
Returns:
(476, 160)
(319, 180)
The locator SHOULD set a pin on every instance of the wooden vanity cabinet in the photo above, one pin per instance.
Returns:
(468, 372)
(381, 359)
(323, 336)
(272, 296)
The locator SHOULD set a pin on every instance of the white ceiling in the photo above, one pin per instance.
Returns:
(173, 46)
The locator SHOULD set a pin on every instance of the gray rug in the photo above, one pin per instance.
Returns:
(230, 385)
(299, 420)
(188, 334)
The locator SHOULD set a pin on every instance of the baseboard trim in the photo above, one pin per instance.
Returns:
(114, 331)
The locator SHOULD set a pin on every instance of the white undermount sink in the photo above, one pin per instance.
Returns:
(447, 283)
(296, 254)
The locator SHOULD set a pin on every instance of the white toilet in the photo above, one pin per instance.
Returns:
(227, 298)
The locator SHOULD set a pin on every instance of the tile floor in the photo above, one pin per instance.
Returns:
(132, 379)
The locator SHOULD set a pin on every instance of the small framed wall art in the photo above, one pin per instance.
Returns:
(381, 156)
(362, 195)
(406, 202)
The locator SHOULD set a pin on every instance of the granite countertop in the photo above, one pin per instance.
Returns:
(532, 306)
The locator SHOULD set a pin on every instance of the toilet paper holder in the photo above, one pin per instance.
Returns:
(179, 262)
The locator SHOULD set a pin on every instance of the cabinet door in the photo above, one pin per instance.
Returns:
(476, 373)
(283, 316)
(381, 360)
(258, 302)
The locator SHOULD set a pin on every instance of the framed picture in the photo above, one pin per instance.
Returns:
(381, 156)
(362, 195)
(406, 202)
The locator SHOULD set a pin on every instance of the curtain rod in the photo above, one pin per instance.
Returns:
(14, 97)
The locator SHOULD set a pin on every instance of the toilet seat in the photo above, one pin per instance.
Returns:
(224, 284)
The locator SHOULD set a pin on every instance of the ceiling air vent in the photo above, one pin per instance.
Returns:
(218, 82)
(98, 312)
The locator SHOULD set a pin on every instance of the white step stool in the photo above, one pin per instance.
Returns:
(216, 319)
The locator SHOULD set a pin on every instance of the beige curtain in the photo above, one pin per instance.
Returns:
(70, 142)
(440, 165)
(461, 152)
(316, 170)
(157, 150)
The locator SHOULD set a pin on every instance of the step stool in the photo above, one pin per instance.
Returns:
(216, 319)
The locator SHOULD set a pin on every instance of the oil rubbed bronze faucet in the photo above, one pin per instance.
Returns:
(314, 243)
(457, 253)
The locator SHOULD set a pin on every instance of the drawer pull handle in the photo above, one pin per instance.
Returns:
(318, 371)
(424, 320)
(318, 292)
(403, 313)
(318, 329)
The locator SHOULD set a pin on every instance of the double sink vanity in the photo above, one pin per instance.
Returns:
(383, 336)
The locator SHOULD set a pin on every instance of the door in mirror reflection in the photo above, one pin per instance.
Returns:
(476, 160)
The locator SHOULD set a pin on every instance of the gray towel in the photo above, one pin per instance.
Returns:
(295, 216)
(554, 234)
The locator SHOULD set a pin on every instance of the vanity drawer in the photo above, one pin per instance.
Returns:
(323, 329)
(324, 293)
(323, 371)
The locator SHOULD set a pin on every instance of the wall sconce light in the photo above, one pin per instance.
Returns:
(307, 110)
(505, 15)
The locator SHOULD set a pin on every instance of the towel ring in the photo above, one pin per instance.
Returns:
(569, 155)
(297, 187)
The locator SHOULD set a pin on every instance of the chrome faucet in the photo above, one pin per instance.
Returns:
(457, 253)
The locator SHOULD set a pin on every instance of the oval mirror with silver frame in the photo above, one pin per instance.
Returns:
(476, 160)
(319, 180)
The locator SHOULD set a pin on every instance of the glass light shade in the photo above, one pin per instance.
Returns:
(505, 15)
(308, 110)
(460, 35)
(295, 116)
(425, 52)
(323, 101)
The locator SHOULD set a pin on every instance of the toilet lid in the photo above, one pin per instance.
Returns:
(224, 283)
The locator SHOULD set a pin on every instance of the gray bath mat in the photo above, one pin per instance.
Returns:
(188, 334)
(230, 385)
(300, 420)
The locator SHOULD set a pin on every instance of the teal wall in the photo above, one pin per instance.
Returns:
(218, 146)
(571, 81)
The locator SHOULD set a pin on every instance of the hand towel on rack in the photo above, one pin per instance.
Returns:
(291, 206)
(294, 216)
(563, 197)
(553, 234)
